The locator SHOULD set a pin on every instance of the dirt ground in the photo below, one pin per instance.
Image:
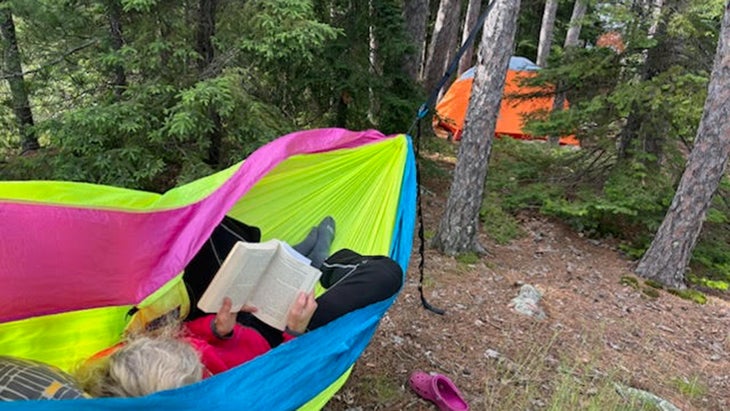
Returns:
(593, 322)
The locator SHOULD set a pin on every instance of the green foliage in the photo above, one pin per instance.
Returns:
(352, 87)
(525, 175)
(711, 257)
(689, 294)
(281, 32)
(713, 284)
(631, 203)
(138, 5)
(501, 226)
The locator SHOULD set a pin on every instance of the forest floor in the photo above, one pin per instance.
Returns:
(598, 329)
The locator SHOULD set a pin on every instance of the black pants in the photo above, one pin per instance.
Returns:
(352, 280)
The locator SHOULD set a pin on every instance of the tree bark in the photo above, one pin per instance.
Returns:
(114, 14)
(415, 14)
(374, 68)
(206, 31)
(13, 69)
(546, 32)
(576, 23)
(458, 228)
(470, 20)
(445, 31)
(668, 257)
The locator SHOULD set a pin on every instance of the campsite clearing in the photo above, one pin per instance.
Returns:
(599, 330)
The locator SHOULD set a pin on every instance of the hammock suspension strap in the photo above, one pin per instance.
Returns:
(422, 112)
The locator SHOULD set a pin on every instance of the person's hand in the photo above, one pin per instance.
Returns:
(301, 312)
(225, 320)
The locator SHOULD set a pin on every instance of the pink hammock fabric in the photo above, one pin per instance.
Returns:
(82, 243)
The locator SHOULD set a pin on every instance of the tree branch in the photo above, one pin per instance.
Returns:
(52, 63)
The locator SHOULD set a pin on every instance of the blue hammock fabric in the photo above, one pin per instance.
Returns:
(294, 373)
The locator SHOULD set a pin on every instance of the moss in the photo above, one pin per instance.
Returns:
(650, 292)
(630, 281)
(654, 284)
(688, 294)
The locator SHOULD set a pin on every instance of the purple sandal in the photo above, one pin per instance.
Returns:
(438, 389)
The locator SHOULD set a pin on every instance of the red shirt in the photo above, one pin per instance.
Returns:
(221, 354)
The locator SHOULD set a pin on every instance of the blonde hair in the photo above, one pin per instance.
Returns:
(142, 366)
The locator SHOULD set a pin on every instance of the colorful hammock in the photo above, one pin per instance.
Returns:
(75, 258)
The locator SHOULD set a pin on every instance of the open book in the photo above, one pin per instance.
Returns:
(267, 275)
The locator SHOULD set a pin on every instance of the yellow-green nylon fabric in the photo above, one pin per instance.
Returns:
(64, 339)
(70, 337)
(113, 198)
(326, 185)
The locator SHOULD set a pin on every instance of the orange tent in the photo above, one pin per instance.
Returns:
(451, 109)
(612, 40)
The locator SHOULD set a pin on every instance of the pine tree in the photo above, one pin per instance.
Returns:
(459, 225)
(667, 258)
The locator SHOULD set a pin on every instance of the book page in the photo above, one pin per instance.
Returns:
(294, 253)
(238, 275)
(277, 290)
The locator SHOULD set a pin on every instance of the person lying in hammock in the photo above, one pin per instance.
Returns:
(207, 344)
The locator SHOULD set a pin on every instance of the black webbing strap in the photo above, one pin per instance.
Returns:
(422, 111)
(421, 239)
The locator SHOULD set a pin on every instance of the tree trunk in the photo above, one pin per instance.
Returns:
(667, 258)
(470, 20)
(576, 23)
(415, 13)
(206, 31)
(546, 32)
(458, 228)
(119, 81)
(445, 31)
(373, 68)
(204, 47)
(13, 70)
(571, 41)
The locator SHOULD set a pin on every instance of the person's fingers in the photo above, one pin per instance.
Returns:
(225, 320)
(311, 304)
(301, 312)
(226, 306)
(225, 311)
(248, 308)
